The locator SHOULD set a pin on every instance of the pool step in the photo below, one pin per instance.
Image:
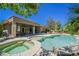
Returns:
(11, 47)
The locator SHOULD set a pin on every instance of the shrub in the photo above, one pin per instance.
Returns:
(1, 29)
(1, 33)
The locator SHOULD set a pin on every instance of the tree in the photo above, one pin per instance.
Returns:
(57, 26)
(72, 25)
(24, 9)
(50, 23)
(53, 25)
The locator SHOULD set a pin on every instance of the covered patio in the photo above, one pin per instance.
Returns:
(18, 26)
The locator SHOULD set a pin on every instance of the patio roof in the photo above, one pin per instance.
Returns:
(22, 21)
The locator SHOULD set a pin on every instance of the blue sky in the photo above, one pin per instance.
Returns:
(57, 11)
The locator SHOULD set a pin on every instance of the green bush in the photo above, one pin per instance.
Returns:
(1, 33)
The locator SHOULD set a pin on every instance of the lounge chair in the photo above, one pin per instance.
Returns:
(6, 38)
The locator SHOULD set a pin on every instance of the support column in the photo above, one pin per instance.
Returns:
(33, 29)
(18, 28)
(13, 28)
(41, 29)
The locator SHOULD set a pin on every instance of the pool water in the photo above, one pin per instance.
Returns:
(18, 48)
(58, 41)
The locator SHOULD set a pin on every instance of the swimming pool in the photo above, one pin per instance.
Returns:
(18, 47)
(58, 41)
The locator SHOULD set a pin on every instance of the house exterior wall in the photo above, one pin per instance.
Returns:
(22, 29)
